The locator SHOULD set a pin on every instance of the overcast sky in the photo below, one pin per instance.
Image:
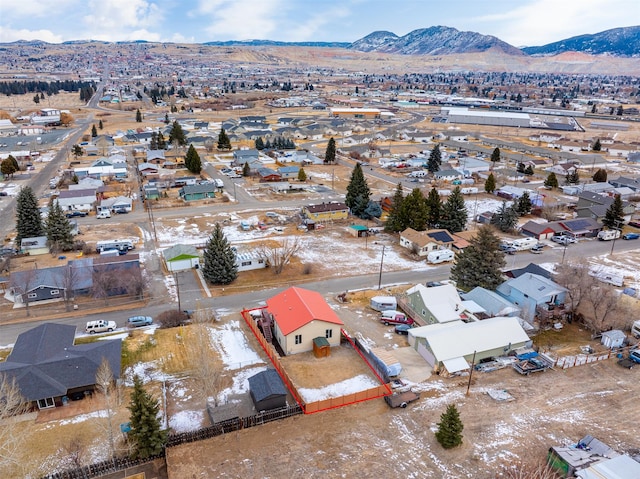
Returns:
(518, 22)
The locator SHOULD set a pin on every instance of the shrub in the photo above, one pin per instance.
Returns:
(171, 318)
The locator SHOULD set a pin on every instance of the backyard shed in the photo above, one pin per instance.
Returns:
(181, 257)
(321, 347)
(267, 390)
(613, 339)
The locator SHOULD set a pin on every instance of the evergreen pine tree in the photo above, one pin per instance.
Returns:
(600, 176)
(146, 434)
(551, 181)
(219, 259)
(480, 263)
(358, 193)
(490, 184)
(524, 204)
(94, 132)
(246, 169)
(153, 144)
(192, 160)
(449, 433)
(520, 168)
(414, 211)
(528, 170)
(506, 218)
(435, 160)
(302, 175)
(434, 208)
(259, 144)
(166, 119)
(373, 210)
(28, 221)
(223, 140)
(77, 151)
(177, 136)
(572, 178)
(138, 116)
(162, 143)
(58, 229)
(614, 217)
(393, 223)
(495, 156)
(100, 125)
(597, 146)
(454, 212)
(330, 153)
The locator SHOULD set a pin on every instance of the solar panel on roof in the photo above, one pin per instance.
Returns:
(441, 236)
(579, 224)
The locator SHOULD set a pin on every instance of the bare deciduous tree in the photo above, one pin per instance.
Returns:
(206, 368)
(70, 279)
(12, 404)
(539, 470)
(602, 308)
(279, 256)
(105, 386)
(104, 284)
(22, 284)
(575, 277)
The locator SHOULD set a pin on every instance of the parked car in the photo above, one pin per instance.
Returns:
(136, 321)
(563, 239)
(631, 236)
(507, 249)
(537, 249)
(402, 329)
(120, 211)
(634, 355)
(635, 224)
(75, 214)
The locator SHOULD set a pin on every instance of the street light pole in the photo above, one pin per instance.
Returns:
(380, 275)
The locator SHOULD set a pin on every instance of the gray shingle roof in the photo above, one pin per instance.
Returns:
(266, 384)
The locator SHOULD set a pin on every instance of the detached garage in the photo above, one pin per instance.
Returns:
(181, 257)
(267, 390)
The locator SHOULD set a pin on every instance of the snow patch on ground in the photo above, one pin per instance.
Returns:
(231, 344)
(348, 386)
(184, 421)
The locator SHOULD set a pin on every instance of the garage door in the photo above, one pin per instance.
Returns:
(426, 354)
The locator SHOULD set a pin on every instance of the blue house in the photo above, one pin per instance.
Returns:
(530, 292)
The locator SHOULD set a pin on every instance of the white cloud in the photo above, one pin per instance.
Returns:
(122, 20)
(544, 21)
(12, 9)
(9, 35)
(242, 19)
(311, 28)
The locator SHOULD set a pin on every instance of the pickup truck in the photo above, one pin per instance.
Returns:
(401, 399)
(531, 365)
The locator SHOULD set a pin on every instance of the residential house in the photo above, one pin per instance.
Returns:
(569, 460)
(593, 205)
(530, 292)
(77, 200)
(34, 246)
(530, 268)
(435, 305)
(150, 192)
(88, 184)
(561, 169)
(448, 175)
(451, 347)
(492, 303)
(268, 174)
(326, 211)
(240, 157)
(156, 157)
(581, 227)
(249, 260)
(422, 242)
(49, 369)
(541, 231)
(299, 316)
(197, 192)
(102, 168)
(181, 257)
(148, 170)
(117, 203)
(289, 172)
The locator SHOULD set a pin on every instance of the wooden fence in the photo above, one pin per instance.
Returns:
(98, 469)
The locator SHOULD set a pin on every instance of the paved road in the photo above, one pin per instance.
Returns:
(236, 302)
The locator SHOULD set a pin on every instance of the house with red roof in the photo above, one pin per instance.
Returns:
(299, 317)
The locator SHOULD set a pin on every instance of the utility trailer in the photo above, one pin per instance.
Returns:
(531, 365)
(401, 399)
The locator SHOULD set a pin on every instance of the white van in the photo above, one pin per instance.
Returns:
(440, 256)
(103, 214)
(218, 182)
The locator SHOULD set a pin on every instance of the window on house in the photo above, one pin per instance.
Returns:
(55, 292)
(46, 403)
(32, 295)
(424, 313)
(298, 338)
(328, 333)
(246, 263)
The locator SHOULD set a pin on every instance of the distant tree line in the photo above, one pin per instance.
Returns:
(50, 88)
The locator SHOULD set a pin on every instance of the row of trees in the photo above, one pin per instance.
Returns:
(420, 213)
(278, 143)
(50, 88)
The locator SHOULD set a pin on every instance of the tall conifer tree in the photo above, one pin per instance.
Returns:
(28, 221)
(146, 434)
(219, 259)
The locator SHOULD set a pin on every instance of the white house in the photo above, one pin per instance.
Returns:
(248, 260)
(81, 200)
(181, 257)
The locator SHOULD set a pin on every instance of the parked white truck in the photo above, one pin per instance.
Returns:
(608, 235)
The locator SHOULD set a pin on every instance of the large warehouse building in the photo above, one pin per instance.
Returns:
(486, 117)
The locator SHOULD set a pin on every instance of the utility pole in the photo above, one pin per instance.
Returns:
(473, 363)
(380, 275)
(177, 278)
